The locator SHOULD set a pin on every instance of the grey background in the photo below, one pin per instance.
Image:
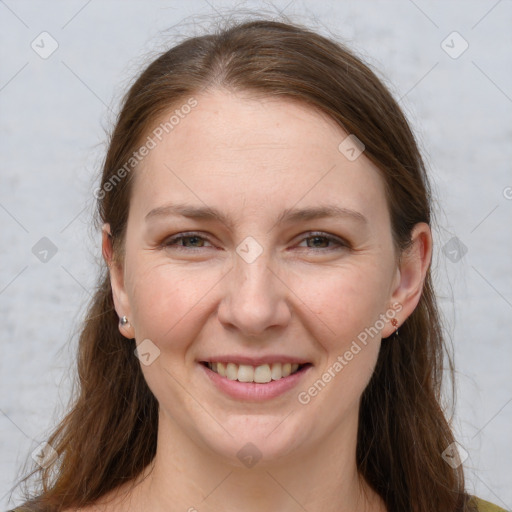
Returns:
(54, 113)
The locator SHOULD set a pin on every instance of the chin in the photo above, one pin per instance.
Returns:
(260, 440)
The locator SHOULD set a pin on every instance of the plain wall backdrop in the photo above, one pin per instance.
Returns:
(64, 67)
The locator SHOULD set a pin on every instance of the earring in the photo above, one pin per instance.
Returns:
(123, 321)
(394, 323)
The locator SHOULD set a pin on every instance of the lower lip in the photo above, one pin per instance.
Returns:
(252, 391)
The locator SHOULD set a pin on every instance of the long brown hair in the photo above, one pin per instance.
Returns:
(109, 435)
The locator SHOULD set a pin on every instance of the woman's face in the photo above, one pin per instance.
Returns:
(255, 239)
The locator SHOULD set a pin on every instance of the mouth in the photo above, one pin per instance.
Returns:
(261, 374)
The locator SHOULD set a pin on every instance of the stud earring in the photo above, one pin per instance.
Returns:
(123, 321)
(394, 323)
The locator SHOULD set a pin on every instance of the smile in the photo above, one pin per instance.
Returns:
(261, 374)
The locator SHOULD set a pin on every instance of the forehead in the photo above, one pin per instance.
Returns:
(237, 151)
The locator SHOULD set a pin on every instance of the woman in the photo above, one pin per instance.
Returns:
(265, 335)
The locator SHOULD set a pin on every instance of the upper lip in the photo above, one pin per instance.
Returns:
(254, 361)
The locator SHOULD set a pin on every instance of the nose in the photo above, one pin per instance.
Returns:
(255, 298)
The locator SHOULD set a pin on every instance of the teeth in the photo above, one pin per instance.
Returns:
(276, 373)
(262, 374)
(231, 371)
(245, 373)
(259, 374)
(221, 369)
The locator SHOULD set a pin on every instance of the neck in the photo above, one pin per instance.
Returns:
(185, 477)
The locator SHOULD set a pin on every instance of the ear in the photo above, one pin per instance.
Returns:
(121, 302)
(410, 275)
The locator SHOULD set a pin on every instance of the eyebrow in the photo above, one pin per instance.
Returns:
(288, 216)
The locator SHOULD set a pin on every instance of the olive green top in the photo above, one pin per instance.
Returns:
(483, 506)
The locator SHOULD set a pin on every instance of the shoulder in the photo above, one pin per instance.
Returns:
(485, 506)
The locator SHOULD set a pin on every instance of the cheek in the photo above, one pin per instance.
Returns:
(346, 306)
(169, 302)
(344, 300)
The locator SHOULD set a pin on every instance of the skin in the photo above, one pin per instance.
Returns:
(252, 158)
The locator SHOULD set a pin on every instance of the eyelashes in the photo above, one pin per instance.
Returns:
(179, 242)
(172, 242)
(338, 242)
